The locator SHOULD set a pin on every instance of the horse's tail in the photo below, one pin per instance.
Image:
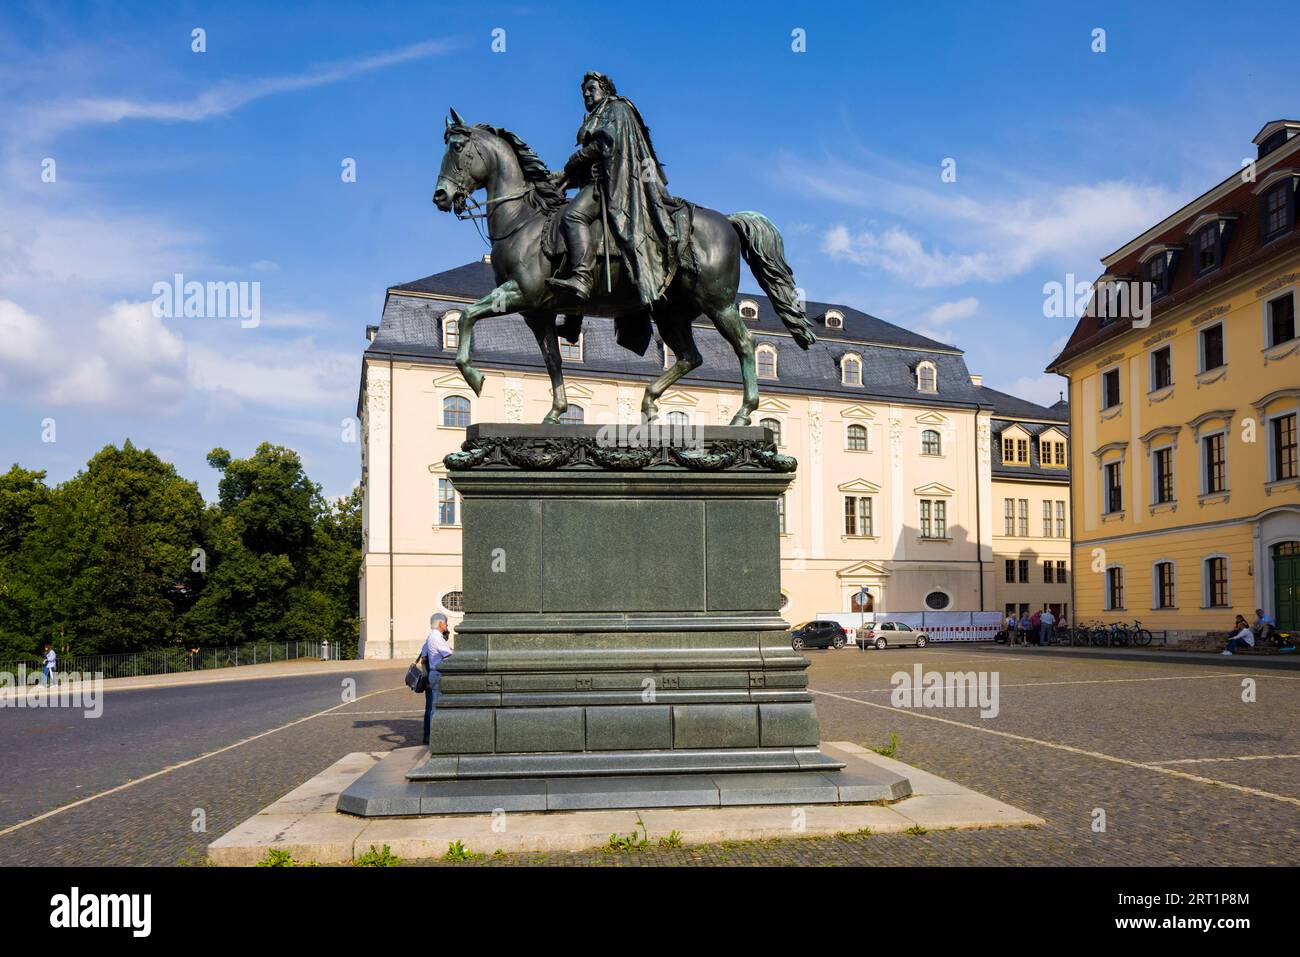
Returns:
(760, 244)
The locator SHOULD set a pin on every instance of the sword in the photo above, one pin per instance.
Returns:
(604, 222)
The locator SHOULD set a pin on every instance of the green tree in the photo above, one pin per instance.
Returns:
(104, 563)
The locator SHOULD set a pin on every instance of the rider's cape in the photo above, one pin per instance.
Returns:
(650, 226)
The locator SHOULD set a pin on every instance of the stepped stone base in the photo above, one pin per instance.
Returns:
(393, 788)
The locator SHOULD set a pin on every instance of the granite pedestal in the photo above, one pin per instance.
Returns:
(622, 619)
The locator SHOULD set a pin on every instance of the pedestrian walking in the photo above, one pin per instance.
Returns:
(436, 648)
(50, 663)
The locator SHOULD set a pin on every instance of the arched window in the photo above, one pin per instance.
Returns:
(455, 411)
(857, 438)
(930, 443)
(574, 415)
(927, 379)
(677, 418)
(937, 600)
(766, 357)
(451, 330)
(775, 426)
(858, 604)
(850, 371)
(834, 319)
(748, 310)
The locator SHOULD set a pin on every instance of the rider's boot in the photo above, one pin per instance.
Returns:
(582, 253)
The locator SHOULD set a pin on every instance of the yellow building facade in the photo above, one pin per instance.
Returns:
(1186, 503)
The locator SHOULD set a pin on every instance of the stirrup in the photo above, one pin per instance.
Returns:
(576, 284)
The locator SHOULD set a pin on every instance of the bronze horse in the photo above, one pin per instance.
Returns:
(520, 199)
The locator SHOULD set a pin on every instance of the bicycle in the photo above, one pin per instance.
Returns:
(1141, 636)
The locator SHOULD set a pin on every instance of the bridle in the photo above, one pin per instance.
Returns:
(464, 205)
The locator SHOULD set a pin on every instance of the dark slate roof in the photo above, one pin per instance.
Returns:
(1007, 406)
(1034, 470)
(475, 280)
(411, 328)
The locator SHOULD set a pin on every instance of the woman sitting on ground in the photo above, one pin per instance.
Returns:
(1243, 636)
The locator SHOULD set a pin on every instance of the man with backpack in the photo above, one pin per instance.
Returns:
(435, 649)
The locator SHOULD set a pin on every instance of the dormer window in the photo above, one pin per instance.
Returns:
(927, 377)
(1159, 263)
(766, 359)
(1207, 249)
(834, 319)
(1209, 238)
(451, 330)
(1276, 203)
(1015, 450)
(1275, 135)
(851, 371)
(749, 310)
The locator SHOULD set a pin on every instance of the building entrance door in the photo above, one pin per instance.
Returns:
(1286, 585)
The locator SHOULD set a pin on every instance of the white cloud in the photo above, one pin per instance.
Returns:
(218, 100)
(949, 234)
(278, 375)
(1045, 389)
(947, 312)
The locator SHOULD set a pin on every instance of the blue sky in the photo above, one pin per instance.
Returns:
(225, 166)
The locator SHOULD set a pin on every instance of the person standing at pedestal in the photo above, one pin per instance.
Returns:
(436, 648)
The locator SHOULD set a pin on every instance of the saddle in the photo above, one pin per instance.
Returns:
(554, 248)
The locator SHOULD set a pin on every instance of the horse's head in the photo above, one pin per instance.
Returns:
(464, 166)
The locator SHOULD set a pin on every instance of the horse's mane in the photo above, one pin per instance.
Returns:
(542, 194)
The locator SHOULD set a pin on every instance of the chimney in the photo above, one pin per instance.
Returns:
(976, 380)
(371, 332)
(487, 258)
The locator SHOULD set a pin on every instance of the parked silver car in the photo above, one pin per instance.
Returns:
(892, 634)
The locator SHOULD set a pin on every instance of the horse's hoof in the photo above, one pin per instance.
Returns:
(740, 418)
(551, 418)
(473, 379)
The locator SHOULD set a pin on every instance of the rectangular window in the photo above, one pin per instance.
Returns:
(1060, 520)
(1165, 585)
(1022, 566)
(1157, 276)
(1212, 348)
(1047, 519)
(1284, 447)
(1162, 370)
(1207, 248)
(1114, 488)
(1216, 582)
(1110, 389)
(1008, 516)
(1277, 215)
(934, 521)
(446, 502)
(1060, 571)
(1022, 523)
(1011, 570)
(857, 515)
(1060, 453)
(1281, 319)
(1162, 468)
(571, 351)
(1047, 573)
(1216, 463)
(780, 514)
(1114, 588)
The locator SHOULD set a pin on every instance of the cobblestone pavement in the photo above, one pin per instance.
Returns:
(1184, 769)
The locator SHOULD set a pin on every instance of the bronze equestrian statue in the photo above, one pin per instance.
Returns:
(666, 260)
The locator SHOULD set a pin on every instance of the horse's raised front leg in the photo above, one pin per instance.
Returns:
(543, 326)
(501, 300)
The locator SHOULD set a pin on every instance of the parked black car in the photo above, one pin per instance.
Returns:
(818, 634)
